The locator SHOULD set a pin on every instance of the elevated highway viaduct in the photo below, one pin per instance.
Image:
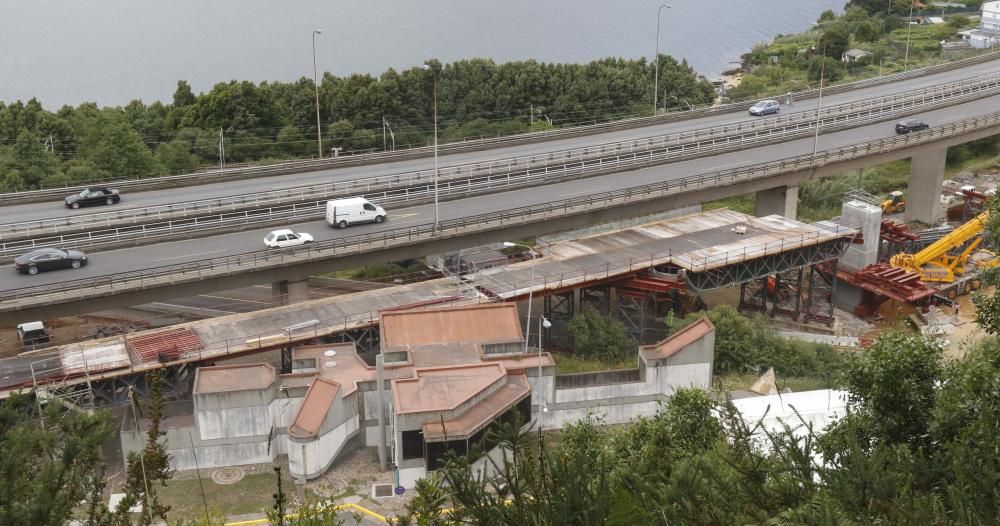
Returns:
(196, 266)
(52, 207)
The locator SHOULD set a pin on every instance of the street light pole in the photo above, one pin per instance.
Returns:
(819, 102)
(531, 287)
(428, 67)
(543, 323)
(319, 128)
(656, 58)
(909, 26)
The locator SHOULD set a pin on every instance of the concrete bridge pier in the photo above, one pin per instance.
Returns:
(782, 200)
(923, 190)
(288, 292)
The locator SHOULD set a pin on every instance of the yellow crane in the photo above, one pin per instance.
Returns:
(937, 263)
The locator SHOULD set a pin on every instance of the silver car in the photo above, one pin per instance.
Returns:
(764, 107)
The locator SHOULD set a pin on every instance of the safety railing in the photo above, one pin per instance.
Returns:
(676, 146)
(376, 241)
(474, 145)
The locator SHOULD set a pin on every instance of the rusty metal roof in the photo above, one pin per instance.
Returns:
(468, 325)
(172, 342)
(314, 408)
(444, 388)
(229, 378)
(677, 341)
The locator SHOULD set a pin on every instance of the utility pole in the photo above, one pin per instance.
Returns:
(384, 145)
(222, 150)
(531, 118)
(656, 58)
(319, 128)
(819, 102)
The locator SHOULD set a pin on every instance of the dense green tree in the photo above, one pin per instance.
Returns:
(595, 335)
(183, 96)
(148, 469)
(118, 149)
(49, 463)
(176, 157)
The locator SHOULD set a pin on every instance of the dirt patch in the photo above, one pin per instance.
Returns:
(72, 329)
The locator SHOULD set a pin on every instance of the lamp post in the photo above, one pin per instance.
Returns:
(531, 286)
(543, 323)
(319, 128)
(392, 136)
(819, 101)
(656, 57)
(428, 68)
(909, 26)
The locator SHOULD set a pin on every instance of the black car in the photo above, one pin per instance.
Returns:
(93, 195)
(910, 125)
(49, 259)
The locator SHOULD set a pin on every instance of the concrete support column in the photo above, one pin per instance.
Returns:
(289, 292)
(783, 200)
(923, 191)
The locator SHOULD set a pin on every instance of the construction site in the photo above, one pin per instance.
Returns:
(473, 339)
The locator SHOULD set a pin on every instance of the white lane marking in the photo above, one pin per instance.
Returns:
(721, 166)
(583, 192)
(189, 255)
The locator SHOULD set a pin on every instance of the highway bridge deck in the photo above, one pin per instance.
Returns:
(697, 244)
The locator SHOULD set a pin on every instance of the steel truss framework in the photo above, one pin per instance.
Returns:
(178, 381)
(559, 308)
(812, 273)
(768, 265)
(367, 340)
(597, 297)
(632, 311)
(822, 285)
(787, 297)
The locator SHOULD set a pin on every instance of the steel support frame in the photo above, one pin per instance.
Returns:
(632, 311)
(821, 287)
(367, 340)
(787, 297)
(558, 307)
(178, 382)
(753, 296)
(767, 265)
(597, 297)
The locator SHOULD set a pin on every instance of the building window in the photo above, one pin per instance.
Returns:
(413, 444)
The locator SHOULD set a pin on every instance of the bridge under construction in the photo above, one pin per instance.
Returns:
(621, 272)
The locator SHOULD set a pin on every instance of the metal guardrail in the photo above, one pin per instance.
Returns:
(360, 243)
(198, 215)
(478, 144)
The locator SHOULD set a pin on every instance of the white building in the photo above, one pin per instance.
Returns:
(450, 376)
(988, 33)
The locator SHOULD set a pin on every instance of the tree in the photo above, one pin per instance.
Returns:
(834, 41)
(602, 337)
(149, 467)
(46, 469)
(183, 96)
(116, 147)
(176, 157)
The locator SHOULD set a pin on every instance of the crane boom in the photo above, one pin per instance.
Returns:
(934, 263)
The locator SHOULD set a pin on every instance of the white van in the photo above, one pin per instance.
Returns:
(343, 212)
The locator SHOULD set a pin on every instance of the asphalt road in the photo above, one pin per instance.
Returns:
(137, 258)
(35, 211)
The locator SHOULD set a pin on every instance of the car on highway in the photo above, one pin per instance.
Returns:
(93, 196)
(49, 259)
(910, 125)
(343, 212)
(764, 107)
(286, 238)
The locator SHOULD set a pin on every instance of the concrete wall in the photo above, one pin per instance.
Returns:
(321, 452)
(234, 423)
(781, 200)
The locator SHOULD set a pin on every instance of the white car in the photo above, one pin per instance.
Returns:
(286, 238)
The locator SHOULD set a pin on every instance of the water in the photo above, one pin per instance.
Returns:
(113, 51)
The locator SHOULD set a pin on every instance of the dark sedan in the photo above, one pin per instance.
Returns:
(910, 125)
(49, 259)
(92, 196)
